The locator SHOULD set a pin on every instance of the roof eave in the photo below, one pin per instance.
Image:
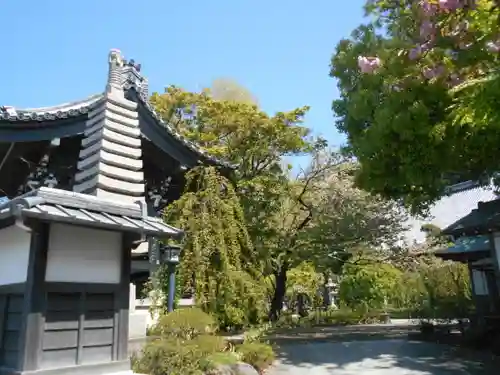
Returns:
(23, 206)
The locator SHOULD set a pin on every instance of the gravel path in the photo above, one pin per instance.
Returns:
(378, 357)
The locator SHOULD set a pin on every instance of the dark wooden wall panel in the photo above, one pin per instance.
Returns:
(99, 319)
(58, 358)
(99, 302)
(97, 354)
(61, 332)
(11, 308)
(79, 328)
(61, 339)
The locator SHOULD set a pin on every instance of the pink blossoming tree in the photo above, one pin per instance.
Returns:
(420, 95)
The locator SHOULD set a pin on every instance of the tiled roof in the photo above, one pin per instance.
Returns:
(482, 220)
(63, 111)
(449, 209)
(73, 208)
(129, 78)
(468, 245)
(82, 107)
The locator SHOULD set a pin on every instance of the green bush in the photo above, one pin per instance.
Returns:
(287, 320)
(257, 354)
(208, 344)
(185, 324)
(342, 316)
(168, 356)
(257, 333)
(186, 345)
(173, 355)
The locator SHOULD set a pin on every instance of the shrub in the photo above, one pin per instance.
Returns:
(186, 345)
(174, 356)
(342, 316)
(287, 320)
(208, 344)
(168, 356)
(257, 333)
(215, 360)
(257, 354)
(185, 324)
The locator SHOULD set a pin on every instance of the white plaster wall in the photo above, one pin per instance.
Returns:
(83, 255)
(480, 283)
(14, 255)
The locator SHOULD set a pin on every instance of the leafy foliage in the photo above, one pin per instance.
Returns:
(238, 131)
(185, 323)
(417, 93)
(217, 254)
(304, 280)
(259, 355)
(265, 221)
(368, 286)
(187, 345)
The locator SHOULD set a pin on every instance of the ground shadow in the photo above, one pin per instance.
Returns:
(360, 354)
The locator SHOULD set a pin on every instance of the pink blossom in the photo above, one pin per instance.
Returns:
(434, 72)
(427, 45)
(368, 64)
(427, 29)
(450, 5)
(428, 9)
(493, 47)
(415, 53)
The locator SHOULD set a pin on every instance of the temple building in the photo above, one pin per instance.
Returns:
(460, 199)
(477, 243)
(101, 145)
(68, 231)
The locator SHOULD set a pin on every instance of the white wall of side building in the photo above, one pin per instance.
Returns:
(14, 253)
(83, 255)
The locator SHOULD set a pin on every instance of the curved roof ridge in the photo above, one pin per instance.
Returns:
(71, 109)
(64, 106)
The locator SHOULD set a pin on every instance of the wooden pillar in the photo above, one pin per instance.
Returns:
(496, 269)
(123, 301)
(33, 315)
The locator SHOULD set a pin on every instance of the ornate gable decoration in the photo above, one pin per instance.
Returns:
(128, 76)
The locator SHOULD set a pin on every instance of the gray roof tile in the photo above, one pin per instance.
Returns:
(44, 204)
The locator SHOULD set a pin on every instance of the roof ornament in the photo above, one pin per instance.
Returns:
(132, 63)
(9, 110)
(116, 63)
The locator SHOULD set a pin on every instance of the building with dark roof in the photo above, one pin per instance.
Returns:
(113, 145)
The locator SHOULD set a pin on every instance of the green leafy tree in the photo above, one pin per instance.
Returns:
(368, 285)
(304, 280)
(229, 90)
(243, 134)
(418, 94)
(218, 261)
(325, 219)
(287, 220)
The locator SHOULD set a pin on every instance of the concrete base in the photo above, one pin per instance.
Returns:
(138, 324)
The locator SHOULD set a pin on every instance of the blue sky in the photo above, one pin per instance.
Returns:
(55, 51)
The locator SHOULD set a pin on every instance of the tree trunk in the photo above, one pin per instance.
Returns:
(326, 293)
(279, 292)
